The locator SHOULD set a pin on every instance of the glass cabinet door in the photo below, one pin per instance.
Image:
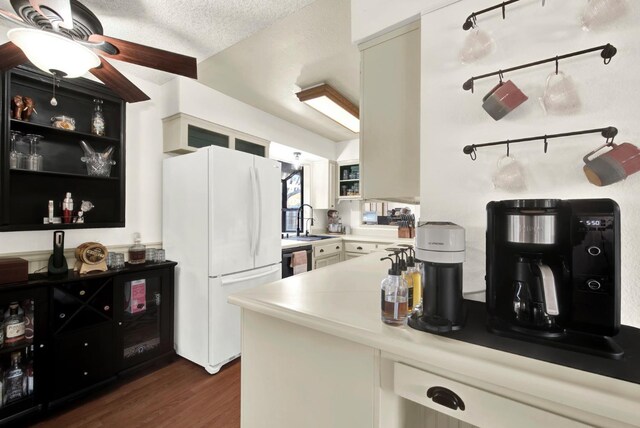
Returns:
(22, 314)
(144, 311)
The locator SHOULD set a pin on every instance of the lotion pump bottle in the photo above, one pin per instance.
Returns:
(393, 295)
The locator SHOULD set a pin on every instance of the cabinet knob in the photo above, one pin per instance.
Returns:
(445, 397)
(86, 344)
(358, 248)
(337, 247)
(107, 307)
(82, 292)
(86, 373)
(62, 315)
(120, 323)
(41, 345)
(322, 251)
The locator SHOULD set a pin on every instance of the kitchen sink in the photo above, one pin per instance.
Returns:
(308, 238)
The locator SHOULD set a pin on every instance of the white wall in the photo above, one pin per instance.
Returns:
(188, 96)
(348, 150)
(457, 189)
(143, 192)
(371, 18)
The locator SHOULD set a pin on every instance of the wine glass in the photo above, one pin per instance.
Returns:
(34, 160)
(16, 159)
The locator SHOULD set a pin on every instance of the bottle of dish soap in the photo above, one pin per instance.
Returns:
(403, 267)
(393, 295)
(137, 251)
(414, 277)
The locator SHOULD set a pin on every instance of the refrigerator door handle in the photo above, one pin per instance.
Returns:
(254, 200)
(259, 212)
(228, 281)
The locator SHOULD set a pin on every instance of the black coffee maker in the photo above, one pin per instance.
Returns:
(553, 272)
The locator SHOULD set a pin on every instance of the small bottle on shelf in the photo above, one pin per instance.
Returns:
(14, 324)
(13, 380)
(67, 208)
(137, 251)
(97, 119)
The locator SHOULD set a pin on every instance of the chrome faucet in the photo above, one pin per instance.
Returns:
(300, 218)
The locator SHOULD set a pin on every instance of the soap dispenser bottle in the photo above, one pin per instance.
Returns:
(393, 295)
(414, 281)
(403, 267)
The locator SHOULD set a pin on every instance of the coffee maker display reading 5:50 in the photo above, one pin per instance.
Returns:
(553, 272)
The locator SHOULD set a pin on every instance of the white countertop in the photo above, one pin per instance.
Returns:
(290, 243)
(344, 300)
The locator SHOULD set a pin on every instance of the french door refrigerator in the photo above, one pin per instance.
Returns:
(221, 223)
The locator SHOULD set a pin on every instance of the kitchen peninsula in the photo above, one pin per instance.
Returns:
(315, 354)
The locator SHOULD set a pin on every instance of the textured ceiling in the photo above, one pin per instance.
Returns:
(258, 51)
(310, 46)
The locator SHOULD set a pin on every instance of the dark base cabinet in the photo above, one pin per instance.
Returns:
(86, 331)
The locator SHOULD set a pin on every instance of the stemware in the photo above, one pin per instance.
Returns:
(16, 159)
(34, 160)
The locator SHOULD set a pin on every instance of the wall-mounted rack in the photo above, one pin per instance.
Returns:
(609, 133)
(608, 51)
(470, 22)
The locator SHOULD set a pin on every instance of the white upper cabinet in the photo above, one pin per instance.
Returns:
(390, 116)
(323, 185)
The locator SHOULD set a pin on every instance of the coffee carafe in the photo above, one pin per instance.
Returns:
(553, 272)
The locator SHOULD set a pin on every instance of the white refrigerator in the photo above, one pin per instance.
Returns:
(221, 222)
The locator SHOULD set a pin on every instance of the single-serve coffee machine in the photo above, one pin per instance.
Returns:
(553, 272)
(440, 246)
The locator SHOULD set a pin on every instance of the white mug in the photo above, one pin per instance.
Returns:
(509, 175)
(600, 13)
(560, 95)
(478, 44)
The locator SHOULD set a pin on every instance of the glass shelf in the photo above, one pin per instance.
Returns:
(61, 174)
(37, 127)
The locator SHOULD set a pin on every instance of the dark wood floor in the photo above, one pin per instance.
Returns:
(181, 394)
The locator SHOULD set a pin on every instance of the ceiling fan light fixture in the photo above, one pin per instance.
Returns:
(52, 53)
(332, 104)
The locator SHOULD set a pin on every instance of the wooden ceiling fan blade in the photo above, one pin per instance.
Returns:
(11, 56)
(119, 84)
(147, 56)
(55, 11)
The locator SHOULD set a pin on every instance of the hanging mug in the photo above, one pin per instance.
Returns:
(478, 44)
(509, 175)
(613, 166)
(503, 99)
(560, 95)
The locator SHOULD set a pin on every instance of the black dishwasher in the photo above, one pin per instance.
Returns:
(287, 254)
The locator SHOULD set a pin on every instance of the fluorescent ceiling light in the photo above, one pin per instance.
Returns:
(52, 53)
(333, 104)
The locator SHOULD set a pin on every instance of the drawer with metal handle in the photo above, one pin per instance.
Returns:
(327, 249)
(470, 404)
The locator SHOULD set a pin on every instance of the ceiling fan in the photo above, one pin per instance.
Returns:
(65, 39)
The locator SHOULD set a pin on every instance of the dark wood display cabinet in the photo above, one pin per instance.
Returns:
(25, 193)
(89, 331)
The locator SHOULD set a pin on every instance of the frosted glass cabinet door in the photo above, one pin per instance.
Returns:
(144, 314)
